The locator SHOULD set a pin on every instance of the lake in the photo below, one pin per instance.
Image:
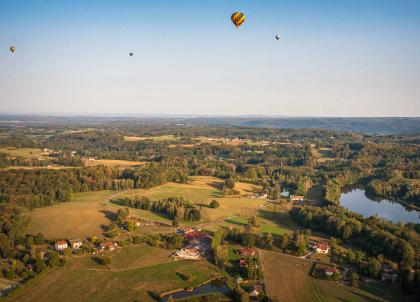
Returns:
(357, 201)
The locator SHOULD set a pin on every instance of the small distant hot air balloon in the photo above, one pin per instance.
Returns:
(131, 54)
(12, 48)
(277, 37)
(237, 18)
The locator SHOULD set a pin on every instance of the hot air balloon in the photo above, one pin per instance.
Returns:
(131, 54)
(277, 37)
(238, 18)
(12, 48)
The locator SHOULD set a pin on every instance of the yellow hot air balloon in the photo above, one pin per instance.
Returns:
(12, 49)
(238, 18)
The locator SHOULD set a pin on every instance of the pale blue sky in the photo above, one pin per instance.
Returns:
(335, 58)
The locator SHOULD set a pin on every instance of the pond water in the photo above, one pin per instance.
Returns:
(285, 193)
(357, 201)
(212, 287)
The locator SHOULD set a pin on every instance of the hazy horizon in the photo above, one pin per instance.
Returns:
(352, 59)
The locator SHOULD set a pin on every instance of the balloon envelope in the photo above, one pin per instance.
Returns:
(131, 54)
(12, 48)
(237, 18)
(278, 37)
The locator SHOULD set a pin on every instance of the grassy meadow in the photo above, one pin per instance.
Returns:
(113, 163)
(88, 213)
(30, 153)
(83, 280)
(289, 280)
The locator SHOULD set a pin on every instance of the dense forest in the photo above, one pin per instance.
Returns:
(175, 207)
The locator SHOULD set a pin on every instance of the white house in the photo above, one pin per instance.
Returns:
(76, 243)
(60, 245)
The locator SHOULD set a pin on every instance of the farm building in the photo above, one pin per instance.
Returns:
(246, 252)
(257, 289)
(76, 244)
(60, 245)
(321, 247)
(260, 195)
(388, 274)
(243, 263)
(107, 246)
(195, 234)
(331, 271)
(297, 198)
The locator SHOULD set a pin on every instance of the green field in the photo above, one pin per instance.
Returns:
(160, 138)
(134, 256)
(322, 154)
(202, 191)
(140, 284)
(82, 217)
(137, 273)
(87, 214)
(29, 153)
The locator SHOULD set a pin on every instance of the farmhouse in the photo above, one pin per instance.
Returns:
(388, 274)
(107, 246)
(260, 195)
(331, 271)
(297, 198)
(321, 247)
(195, 234)
(246, 252)
(243, 263)
(76, 244)
(256, 290)
(60, 245)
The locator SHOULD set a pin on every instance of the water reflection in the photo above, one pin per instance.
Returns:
(357, 201)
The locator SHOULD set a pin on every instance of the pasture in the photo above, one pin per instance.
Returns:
(139, 284)
(87, 214)
(84, 216)
(134, 256)
(322, 154)
(201, 191)
(154, 138)
(29, 153)
(113, 163)
(292, 274)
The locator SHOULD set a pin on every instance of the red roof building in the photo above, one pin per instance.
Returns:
(246, 252)
(322, 247)
(195, 235)
(107, 246)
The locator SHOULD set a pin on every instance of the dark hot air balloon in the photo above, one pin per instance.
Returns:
(131, 54)
(12, 48)
(238, 18)
(277, 37)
